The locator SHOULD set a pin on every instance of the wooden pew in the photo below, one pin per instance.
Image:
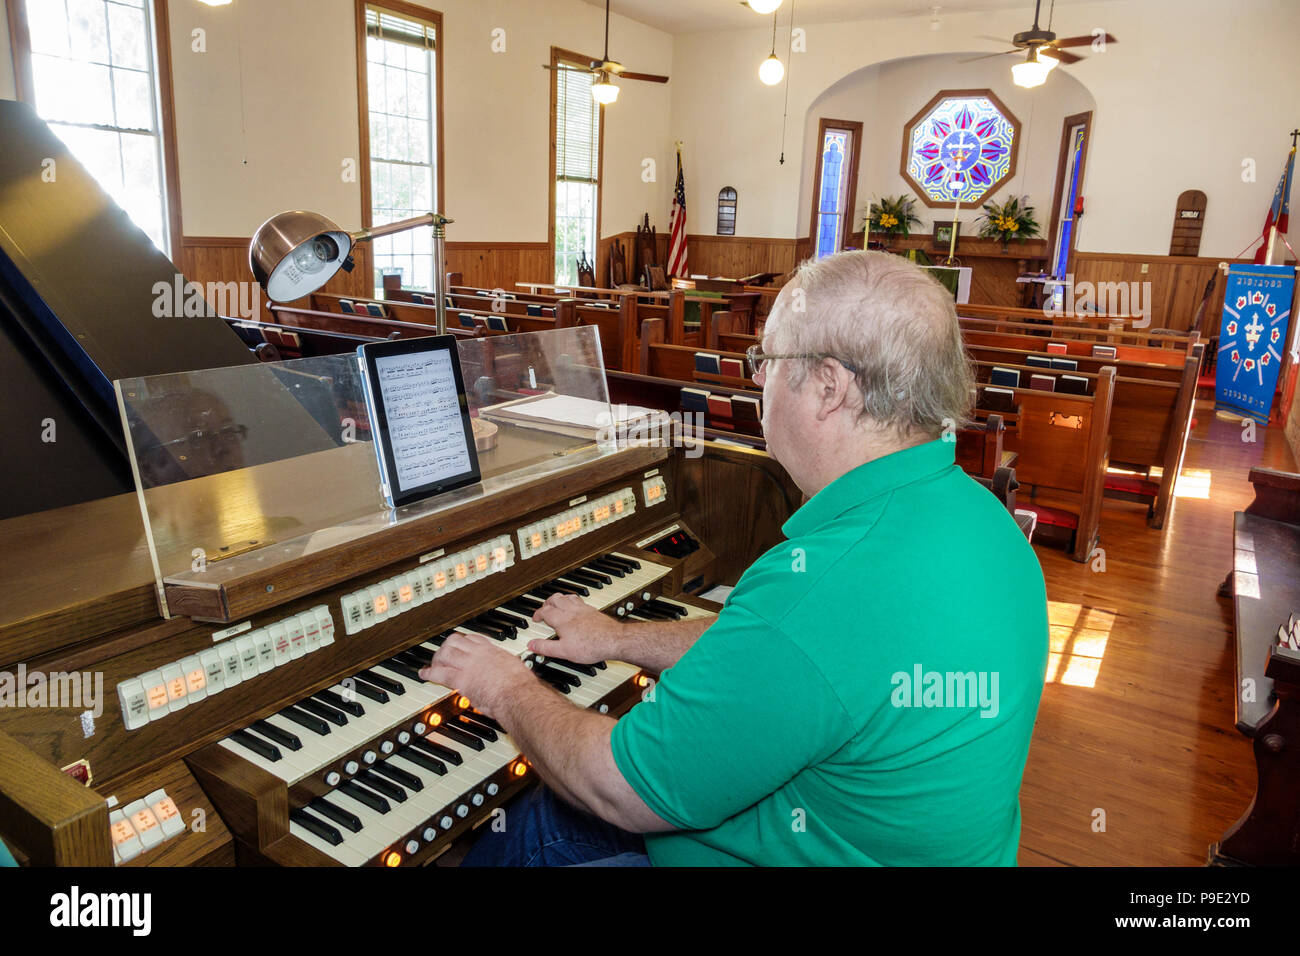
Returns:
(1265, 587)
(1063, 445)
(1130, 346)
(1150, 418)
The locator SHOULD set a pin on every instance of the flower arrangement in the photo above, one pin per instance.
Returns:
(1014, 219)
(892, 216)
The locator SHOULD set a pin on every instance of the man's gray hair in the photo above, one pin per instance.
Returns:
(891, 321)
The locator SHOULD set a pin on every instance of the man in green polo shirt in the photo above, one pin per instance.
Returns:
(867, 694)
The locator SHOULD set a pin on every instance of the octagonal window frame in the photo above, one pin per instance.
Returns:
(925, 111)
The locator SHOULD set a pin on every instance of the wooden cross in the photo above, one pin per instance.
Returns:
(1295, 133)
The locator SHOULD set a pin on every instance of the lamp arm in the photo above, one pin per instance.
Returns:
(439, 223)
(435, 219)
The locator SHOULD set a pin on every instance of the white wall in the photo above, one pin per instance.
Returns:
(298, 53)
(886, 96)
(1191, 88)
(7, 89)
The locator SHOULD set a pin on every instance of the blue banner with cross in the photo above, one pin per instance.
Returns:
(1256, 313)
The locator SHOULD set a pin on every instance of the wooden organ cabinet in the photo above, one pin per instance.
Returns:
(82, 602)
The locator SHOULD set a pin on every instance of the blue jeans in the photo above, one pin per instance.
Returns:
(542, 830)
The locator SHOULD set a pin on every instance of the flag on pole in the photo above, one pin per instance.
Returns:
(1279, 212)
(677, 223)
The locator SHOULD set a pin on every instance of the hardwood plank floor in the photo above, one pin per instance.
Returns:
(1134, 760)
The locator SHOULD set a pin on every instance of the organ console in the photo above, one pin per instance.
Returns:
(263, 705)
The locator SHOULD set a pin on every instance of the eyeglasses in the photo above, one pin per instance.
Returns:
(758, 360)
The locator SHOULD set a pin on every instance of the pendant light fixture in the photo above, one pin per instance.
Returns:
(771, 70)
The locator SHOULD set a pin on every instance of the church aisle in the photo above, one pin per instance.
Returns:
(1135, 760)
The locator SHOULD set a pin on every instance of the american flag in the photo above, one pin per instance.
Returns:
(677, 222)
(1279, 211)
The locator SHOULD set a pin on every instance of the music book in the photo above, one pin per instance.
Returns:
(746, 409)
(1058, 348)
(1006, 377)
(998, 399)
(720, 406)
(375, 309)
(346, 306)
(1046, 383)
(1103, 351)
(574, 416)
(1038, 361)
(707, 362)
(548, 313)
(695, 400)
(466, 319)
(533, 310)
(1073, 385)
(1065, 363)
(732, 366)
(498, 323)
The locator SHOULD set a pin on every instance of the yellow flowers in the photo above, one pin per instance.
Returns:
(887, 221)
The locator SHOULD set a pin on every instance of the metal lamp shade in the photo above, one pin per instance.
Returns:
(295, 253)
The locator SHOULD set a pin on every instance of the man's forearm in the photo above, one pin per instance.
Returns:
(657, 645)
(570, 749)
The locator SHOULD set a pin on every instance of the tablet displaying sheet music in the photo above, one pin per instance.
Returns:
(419, 417)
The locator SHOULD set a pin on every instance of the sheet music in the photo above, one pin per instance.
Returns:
(424, 423)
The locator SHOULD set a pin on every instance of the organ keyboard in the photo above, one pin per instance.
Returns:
(341, 755)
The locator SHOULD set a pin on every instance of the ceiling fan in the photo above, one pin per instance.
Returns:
(1045, 50)
(604, 91)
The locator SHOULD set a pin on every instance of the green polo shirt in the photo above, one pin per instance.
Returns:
(867, 694)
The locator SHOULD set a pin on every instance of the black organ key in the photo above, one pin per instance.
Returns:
(399, 776)
(360, 794)
(523, 605)
(345, 818)
(383, 683)
(483, 719)
(256, 744)
(324, 711)
(502, 619)
(587, 580)
(604, 577)
(467, 724)
(608, 567)
(543, 591)
(460, 736)
(421, 759)
(281, 737)
(401, 669)
(628, 564)
(421, 654)
(304, 719)
(488, 629)
(367, 690)
(339, 702)
(543, 674)
(377, 783)
(442, 751)
(553, 674)
(319, 827)
(587, 670)
(412, 659)
(676, 610)
(566, 588)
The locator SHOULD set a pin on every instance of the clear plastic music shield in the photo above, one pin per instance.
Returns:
(241, 469)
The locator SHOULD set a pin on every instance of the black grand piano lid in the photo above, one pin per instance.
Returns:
(77, 293)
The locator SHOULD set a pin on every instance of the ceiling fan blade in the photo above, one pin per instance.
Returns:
(648, 77)
(987, 56)
(1063, 56)
(1082, 41)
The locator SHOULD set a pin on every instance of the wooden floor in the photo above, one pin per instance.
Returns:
(1135, 730)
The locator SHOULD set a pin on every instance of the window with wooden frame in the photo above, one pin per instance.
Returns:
(399, 86)
(577, 139)
(835, 184)
(727, 211)
(1069, 185)
(99, 73)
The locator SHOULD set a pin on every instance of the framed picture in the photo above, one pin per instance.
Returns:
(943, 233)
